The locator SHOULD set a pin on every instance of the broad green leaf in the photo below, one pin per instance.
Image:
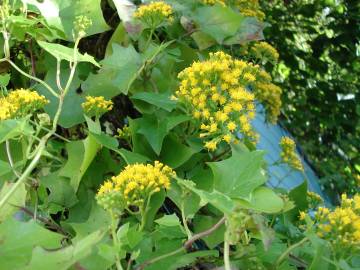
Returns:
(4, 80)
(64, 258)
(175, 154)
(16, 200)
(99, 219)
(12, 128)
(80, 156)
(131, 157)
(155, 129)
(129, 236)
(5, 168)
(61, 14)
(299, 196)
(203, 41)
(218, 22)
(251, 29)
(202, 223)
(61, 52)
(170, 227)
(263, 199)
(156, 201)
(17, 240)
(61, 192)
(117, 73)
(161, 100)
(215, 198)
(239, 175)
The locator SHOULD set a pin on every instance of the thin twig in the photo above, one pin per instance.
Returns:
(11, 162)
(46, 221)
(186, 245)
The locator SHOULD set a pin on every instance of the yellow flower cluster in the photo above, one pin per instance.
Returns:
(134, 185)
(313, 199)
(20, 103)
(342, 225)
(264, 51)
(154, 14)
(288, 154)
(213, 2)
(216, 93)
(270, 96)
(124, 133)
(250, 8)
(96, 105)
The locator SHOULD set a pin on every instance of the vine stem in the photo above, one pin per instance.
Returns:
(26, 173)
(183, 217)
(48, 87)
(227, 255)
(291, 248)
(185, 247)
(114, 224)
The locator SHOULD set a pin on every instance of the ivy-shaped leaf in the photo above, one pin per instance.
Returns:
(239, 175)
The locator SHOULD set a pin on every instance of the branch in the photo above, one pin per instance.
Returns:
(186, 245)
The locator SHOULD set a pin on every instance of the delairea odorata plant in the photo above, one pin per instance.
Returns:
(146, 158)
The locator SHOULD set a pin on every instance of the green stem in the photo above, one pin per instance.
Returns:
(48, 87)
(227, 265)
(26, 173)
(288, 251)
(188, 232)
(114, 223)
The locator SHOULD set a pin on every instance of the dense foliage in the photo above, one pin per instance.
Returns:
(319, 44)
(127, 143)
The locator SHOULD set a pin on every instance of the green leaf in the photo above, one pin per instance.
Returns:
(131, 157)
(4, 80)
(218, 22)
(217, 199)
(299, 196)
(17, 240)
(61, 192)
(161, 100)
(61, 14)
(263, 199)
(175, 154)
(251, 29)
(64, 258)
(239, 182)
(80, 156)
(156, 201)
(202, 223)
(203, 41)
(117, 73)
(98, 219)
(155, 129)
(16, 200)
(61, 52)
(12, 128)
(170, 227)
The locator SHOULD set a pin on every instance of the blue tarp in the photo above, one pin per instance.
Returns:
(281, 175)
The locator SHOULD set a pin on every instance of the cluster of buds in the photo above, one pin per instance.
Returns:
(81, 24)
(250, 8)
(340, 226)
(96, 106)
(134, 186)
(288, 154)
(263, 51)
(313, 199)
(213, 2)
(20, 103)
(154, 14)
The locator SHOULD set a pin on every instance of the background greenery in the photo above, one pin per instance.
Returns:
(319, 46)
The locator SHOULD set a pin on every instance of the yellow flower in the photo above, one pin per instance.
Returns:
(20, 103)
(154, 14)
(250, 8)
(302, 215)
(288, 154)
(96, 105)
(264, 51)
(223, 99)
(340, 226)
(213, 2)
(134, 186)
